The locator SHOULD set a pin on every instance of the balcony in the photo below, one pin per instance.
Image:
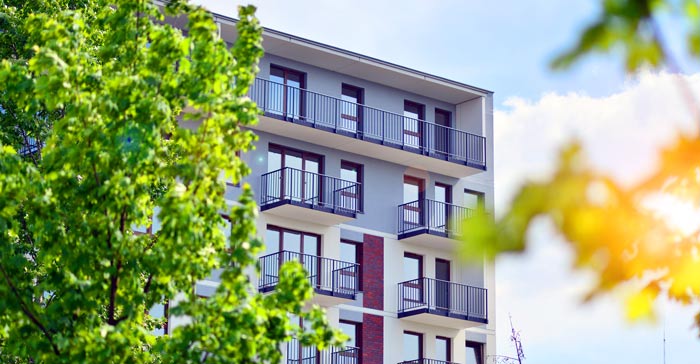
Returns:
(297, 354)
(436, 302)
(368, 131)
(426, 361)
(334, 281)
(297, 194)
(431, 223)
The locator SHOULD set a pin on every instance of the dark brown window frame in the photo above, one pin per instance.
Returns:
(419, 285)
(420, 341)
(449, 346)
(478, 348)
(360, 101)
(360, 180)
(420, 108)
(358, 260)
(480, 198)
(448, 191)
(358, 337)
(283, 150)
(302, 86)
(282, 229)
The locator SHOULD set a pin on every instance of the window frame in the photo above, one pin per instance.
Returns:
(286, 71)
(359, 170)
(420, 342)
(478, 349)
(420, 111)
(358, 337)
(448, 340)
(358, 260)
(480, 198)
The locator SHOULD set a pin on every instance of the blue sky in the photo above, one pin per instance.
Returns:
(505, 46)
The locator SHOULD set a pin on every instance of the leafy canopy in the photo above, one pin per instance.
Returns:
(96, 96)
(616, 231)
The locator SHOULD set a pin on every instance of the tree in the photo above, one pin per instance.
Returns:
(93, 96)
(611, 228)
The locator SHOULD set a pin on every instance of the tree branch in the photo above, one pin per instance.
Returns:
(28, 312)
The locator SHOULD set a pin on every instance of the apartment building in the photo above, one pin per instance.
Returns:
(362, 170)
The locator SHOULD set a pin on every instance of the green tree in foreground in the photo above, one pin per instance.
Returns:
(97, 89)
(612, 229)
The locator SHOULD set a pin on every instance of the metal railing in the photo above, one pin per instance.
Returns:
(310, 189)
(434, 216)
(363, 122)
(444, 297)
(30, 146)
(297, 354)
(426, 361)
(329, 276)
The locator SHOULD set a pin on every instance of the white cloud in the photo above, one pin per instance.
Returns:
(620, 133)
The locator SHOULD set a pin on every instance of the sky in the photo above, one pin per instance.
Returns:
(506, 46)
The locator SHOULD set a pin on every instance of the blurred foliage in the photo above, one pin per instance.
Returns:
(98, 88)
(616, 232)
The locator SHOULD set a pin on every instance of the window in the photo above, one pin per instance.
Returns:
(354, 331)
(443, 348)
(350, 110)
(285, 96)
(473, 200)
(412, 274)
(229, 180)
(352, 252)
(441, 134)
(412, 346)
(296, 176)
(159, 311)
(297, 245)
(440, 210)
(414, 114)
(413, 194)
(350, 193)
(475, 353)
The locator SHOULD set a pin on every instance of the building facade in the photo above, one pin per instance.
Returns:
(361, 170)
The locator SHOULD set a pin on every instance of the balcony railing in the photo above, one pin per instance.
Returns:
(367, 123)
(426, 361)
(312, 190)
(297, 354)
(431, 217)
(327, 276)
(428, 295)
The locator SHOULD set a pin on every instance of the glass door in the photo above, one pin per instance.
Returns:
(440, 209)
(413, 203)
(285, 96)
(299, 179)
(413, 116)
(442, 284)
(441, 135)
(413, 282)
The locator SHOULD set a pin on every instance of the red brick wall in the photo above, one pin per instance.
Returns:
(372, 339)
(373, 272)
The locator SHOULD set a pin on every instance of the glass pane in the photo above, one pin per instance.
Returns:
(411, 347)
(471, 200)
(410, 192)
(441, 349)
(157, 311)
(292, 242)
(226, 228)
(272, 241)
(471, 356)
(274, 161)
(348, 252)
(411, 268)
(351, 331)
(348, 173)
(440, 193)
(311, 245)
(275, 92)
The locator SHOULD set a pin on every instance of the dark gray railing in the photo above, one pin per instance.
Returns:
(443, 297)
(310, 189)
(426, 361)
(363, 122)
(297, 354)
(433, 216)
(329, 276)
